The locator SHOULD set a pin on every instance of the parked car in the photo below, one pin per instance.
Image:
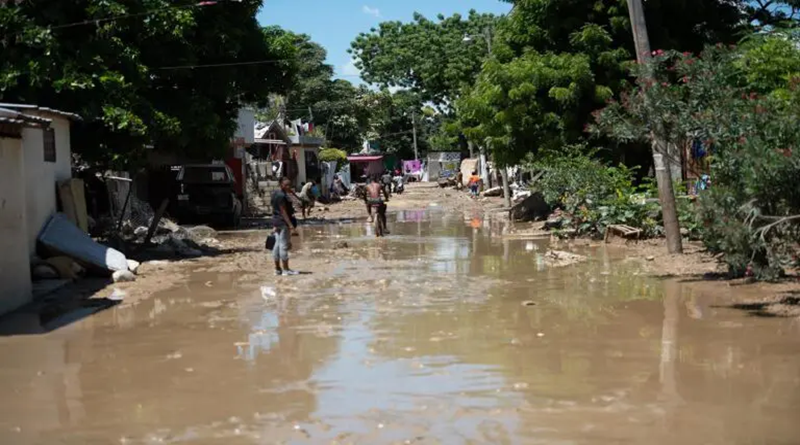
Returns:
(207, 193)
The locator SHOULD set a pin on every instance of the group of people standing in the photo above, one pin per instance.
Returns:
(377, 193)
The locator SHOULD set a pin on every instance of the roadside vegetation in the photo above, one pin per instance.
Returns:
(551, 86)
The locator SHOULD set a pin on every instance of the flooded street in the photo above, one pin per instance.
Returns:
(445, 332)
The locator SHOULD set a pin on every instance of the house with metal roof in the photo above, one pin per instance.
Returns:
(291, 144)
(35, 155)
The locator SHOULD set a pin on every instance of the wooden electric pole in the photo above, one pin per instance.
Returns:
(414, 129)
(666, 194)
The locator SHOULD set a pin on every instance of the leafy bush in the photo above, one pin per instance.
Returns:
(333, 155)
(594, 196)
(751, 214)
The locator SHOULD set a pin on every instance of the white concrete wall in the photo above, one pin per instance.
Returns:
(301, 167)
(40, 184)
(41, 177)
(246, 123)
(15, 278)
(63, 168)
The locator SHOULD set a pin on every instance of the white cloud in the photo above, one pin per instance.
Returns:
(350, 69)
(371, 11)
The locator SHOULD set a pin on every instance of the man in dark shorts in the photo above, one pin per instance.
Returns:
(386, 182)
(375, 198)
(282, 221)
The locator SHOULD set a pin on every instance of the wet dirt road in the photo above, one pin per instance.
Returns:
(419, 338)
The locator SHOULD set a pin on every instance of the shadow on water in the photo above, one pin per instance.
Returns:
(771, 309)
(64, 307)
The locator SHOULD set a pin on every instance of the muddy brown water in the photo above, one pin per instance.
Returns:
(422, 337)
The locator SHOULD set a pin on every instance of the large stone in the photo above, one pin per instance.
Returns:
(532, 208)
(201, 232)
(122, 276)
(133, 265)
(494, 191)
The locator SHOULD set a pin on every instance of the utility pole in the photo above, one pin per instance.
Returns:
(666, 193)
(414, 127)
(503, 169)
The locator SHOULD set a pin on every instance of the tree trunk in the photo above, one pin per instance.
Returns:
(506, 188)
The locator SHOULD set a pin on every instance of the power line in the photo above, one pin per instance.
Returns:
(217, 65)
(127, 16)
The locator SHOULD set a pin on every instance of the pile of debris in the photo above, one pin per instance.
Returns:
(169, 240)
(68, 253)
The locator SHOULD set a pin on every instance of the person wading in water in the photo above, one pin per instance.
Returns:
(285, 226)
(375, 198)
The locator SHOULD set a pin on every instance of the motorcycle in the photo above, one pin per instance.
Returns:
(398, 184)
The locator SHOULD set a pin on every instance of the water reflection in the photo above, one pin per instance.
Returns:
(418, 337)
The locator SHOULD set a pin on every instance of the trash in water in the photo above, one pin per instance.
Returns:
(268, 293)
(117, 295)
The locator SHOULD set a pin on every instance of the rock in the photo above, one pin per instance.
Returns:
(133, 266)
(650, 258)
(555, 258)
(554, 223)
(117, 295)
(684, 231)
(123, 276)
(532, 208)
(341, 245)
(494, 191)
(201, 232)
(528, 303)
(520, 196)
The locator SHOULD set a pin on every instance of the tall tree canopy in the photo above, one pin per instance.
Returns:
(140, 72)
(555, 61)
(431, 58)
(335, 106)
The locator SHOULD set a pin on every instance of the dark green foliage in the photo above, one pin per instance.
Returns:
(748, 216)
(594, 195)
(125, 73)
(428, 57)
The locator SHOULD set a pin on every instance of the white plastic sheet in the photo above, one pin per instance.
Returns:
(62, 237)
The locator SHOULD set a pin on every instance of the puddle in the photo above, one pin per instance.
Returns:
(444, 332)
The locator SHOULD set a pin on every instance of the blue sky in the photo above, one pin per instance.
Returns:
(335, 23)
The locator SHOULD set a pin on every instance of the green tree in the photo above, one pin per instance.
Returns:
(126, 67)
(751, 214)
(427, 57)
(392, 122)
(335, 106)
(528, 104)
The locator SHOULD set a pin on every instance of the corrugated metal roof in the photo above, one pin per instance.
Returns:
(66, 114)
(15, 117)
(270, 141)
(364, 158)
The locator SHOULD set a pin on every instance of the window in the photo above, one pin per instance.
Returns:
(49, 145)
